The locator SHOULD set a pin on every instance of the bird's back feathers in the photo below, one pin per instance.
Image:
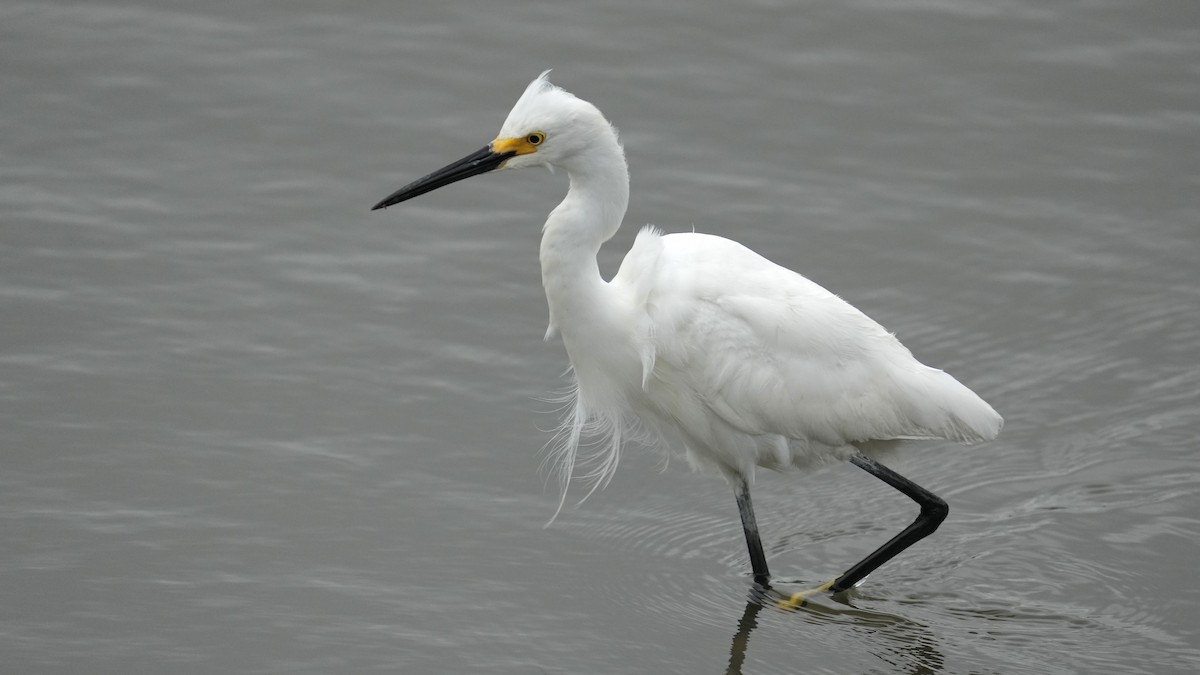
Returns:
(770, 353)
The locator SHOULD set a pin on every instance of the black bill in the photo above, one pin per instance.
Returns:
(480, 161)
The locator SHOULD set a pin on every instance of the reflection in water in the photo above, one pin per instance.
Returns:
(741, 639)
(906, 645)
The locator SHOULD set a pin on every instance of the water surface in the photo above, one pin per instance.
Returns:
(248, 426)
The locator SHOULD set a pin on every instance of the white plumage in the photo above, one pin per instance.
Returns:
(762, 358)
(698, 338)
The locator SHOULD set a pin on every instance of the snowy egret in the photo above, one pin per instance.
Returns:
(699, 342)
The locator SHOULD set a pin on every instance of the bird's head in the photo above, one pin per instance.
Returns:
(548, 127)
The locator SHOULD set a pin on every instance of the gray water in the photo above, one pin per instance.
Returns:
(248, 426)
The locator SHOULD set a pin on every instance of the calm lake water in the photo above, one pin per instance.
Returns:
(249, 426)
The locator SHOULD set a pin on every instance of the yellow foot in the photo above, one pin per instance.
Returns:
(800, 598)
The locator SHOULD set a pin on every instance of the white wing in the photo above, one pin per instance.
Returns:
(770, 352)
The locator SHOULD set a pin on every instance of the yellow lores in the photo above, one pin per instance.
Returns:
(524, 145)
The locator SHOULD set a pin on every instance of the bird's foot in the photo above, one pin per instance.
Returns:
(801, 598)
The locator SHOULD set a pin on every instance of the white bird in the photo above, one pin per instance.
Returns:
(702, 342)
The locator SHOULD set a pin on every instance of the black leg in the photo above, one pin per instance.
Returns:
(933, 512)
(758, 560)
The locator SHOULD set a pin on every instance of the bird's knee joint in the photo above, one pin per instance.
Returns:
(935, 511)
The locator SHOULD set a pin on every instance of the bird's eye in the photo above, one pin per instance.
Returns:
(535, 138)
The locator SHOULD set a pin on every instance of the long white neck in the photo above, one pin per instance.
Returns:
(590, 214)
